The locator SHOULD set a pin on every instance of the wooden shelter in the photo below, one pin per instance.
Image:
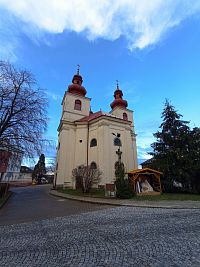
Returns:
(145, 181)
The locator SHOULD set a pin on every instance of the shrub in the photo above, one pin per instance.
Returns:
(86, 177)
(122, 185)
(123, 188)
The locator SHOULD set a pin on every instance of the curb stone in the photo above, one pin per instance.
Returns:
(129, 203)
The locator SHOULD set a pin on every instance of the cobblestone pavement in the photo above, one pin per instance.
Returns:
(34, 203)
(122, 236)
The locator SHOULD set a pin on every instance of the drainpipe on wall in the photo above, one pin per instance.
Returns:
(87, 146)
(87, 143)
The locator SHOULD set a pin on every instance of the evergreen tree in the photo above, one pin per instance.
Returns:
(39, 169)
(171, 151)
(122, 185)
(195, 159)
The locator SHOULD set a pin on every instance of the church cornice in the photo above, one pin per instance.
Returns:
(76, 112)
(67, 125)
(74, 95)
(132, 111)
(106, 119)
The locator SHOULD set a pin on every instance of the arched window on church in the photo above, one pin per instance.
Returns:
(117, 141)
(77, 105)
(125, 117)
(93, 142)
(93, 165)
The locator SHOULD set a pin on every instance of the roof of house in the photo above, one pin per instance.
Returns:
(145, 170)
(99, 114)
(148, 161)
(92, 116)
(26, 169)
(10, 148)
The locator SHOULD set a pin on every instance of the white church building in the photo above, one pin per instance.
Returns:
(86, 138)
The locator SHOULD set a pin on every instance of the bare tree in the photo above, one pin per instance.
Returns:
(51, 165)
(23, 105)
(87, 177)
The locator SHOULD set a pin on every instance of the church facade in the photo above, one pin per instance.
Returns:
(93, 139)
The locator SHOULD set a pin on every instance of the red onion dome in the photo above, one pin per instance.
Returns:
(76, 86)
(118, 102)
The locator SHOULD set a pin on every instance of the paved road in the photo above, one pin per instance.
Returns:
(109, 237)
(34, 203)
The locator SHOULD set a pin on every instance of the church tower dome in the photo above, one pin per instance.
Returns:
(76, 87)
(119, 101)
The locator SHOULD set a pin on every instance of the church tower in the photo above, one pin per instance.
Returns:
(120, 110)
(119, 105)
(75, 106)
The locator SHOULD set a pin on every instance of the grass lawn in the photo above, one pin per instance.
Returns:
(166, 196)
(101, 193)
(78, 192)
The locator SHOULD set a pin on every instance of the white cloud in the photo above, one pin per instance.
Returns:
(54, 96)
(141, 22)
(143, 154)
(8, 42)
(144, 140)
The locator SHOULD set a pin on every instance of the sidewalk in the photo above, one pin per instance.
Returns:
(131, 203)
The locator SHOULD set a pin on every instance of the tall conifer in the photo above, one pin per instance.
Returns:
(39, 169)
(171, 150)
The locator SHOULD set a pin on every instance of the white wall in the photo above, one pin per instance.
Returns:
(13, 169)
(68, 111)
(73, 153)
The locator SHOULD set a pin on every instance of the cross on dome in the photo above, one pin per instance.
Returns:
(117, 84)
(78, 69)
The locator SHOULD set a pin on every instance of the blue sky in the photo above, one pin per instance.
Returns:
(151, 47)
